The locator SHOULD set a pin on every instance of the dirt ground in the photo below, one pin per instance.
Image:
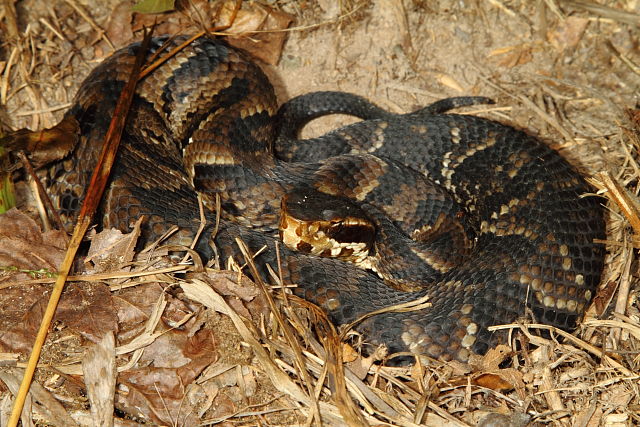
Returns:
(567, 71)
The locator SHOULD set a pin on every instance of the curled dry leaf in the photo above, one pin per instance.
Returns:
(256, 28)
(111, 248)
(490, 375)
(265, 45)
(23, 246)
(46, 145)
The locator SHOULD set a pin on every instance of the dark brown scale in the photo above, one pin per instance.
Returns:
(203, 121)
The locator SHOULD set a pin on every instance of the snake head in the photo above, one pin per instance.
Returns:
(319, 224)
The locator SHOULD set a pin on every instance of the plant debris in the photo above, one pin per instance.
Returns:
(182, 346)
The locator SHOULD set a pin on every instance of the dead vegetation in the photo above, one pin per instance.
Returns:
(206, 347)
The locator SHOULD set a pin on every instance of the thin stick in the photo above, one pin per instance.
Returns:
(42, 193)
(89, 206)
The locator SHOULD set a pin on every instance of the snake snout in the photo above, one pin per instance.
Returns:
(324, 225)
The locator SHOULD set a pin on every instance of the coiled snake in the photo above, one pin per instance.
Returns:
(515, 233)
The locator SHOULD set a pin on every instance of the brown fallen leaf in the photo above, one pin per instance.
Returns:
(634, 117)
(46, 145)
(568, 33)
(493, 381)
(99, 370)
(21, 309)
(87, 309)
(265, 45)
(158, 394)
(119, 25)
(23, 246)
(41, 400)
(111, 248)
(133, 306)
(512, 56)
(603, 297)
(490, 375)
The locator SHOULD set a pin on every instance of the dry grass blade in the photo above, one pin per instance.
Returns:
(414, 305)
(89, 206)
(624, 58)
(627, 203)
(285, 327)
(42, 193)
(626, 324)
(605, 11)
(202, 293)
(580, 343)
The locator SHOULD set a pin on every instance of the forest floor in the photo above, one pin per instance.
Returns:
(566, 71)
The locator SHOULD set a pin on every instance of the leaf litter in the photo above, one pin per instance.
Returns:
(195, 347)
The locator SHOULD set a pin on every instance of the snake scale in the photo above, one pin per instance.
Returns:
(207, 121)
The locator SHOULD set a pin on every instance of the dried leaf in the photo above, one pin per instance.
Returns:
(450, 82)
(42, 400)
(119, 26)
(493, 381)
(99, 368)
(266, 45)
(22, 308)
(111, 248)
(568, 33)
(158, 393)
(46, 145)
(87, 309)
(24, 250)
(133, 307)
(241, 294)
(603, 297)
(490, 374)
(513, 56)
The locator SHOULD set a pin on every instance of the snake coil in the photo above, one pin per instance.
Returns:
(206, 121)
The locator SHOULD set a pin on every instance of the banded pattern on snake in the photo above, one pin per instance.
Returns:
(206, 121)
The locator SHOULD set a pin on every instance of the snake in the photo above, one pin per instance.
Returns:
(485, 222)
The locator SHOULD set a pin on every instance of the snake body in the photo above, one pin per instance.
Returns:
(206, 122)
